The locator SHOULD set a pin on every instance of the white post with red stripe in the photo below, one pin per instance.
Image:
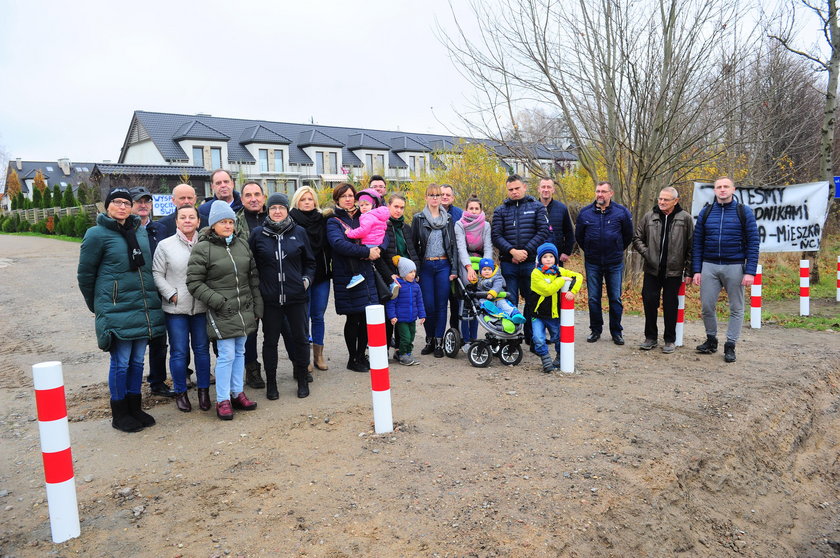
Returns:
(838, 278)
(755, 300)
(804, 288)
(380, 382)
(48, 380)
(567, 332)
(680, 328)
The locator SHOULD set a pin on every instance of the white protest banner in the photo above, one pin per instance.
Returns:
(162, 204)
(789, 218)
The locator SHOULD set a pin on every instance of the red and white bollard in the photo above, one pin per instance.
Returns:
(567, 332)
(680, 329)
(838, 278)
(380, 382)
(804, 288)
(755, 300)
(48, 380)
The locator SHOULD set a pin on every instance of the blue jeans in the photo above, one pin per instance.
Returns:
(126, 372)
(518, 282)
(230, 367)
(184, 331)
(539, 325)
(611, 275)
(319, 296)
(434, 285)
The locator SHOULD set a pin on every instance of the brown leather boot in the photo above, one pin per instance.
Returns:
(253, 378)
(318, 357)
(204, 399)
(182, 401)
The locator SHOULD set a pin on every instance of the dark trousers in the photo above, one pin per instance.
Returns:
(157, 360)
(518, 283)
(251, 346)
(669, 288)
(296, 340)
(355, 336)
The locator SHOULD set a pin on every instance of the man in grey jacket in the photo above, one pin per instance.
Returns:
(663, 238)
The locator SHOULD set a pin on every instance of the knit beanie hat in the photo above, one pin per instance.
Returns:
(220, 210)
(547, 248)
(278, 199)
(486, 262)
(121, 193)
(405, 266)
(372, 194)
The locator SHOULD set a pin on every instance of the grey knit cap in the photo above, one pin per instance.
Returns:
(220, 210)
(405, 266)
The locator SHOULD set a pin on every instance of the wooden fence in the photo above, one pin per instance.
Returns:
(38, 214)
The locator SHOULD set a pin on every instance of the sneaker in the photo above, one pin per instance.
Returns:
(709, 347)
(395, 290)
(406, 360)
(669, 348)
(649, 344)
(223, 410)
(355, 280)
(729, 351)
(242, 402)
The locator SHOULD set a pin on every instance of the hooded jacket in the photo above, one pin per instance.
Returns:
(284, 260)
(648, 240)
(225, 278)
(125, 303)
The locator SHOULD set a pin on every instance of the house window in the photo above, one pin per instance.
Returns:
(216, 157)
(319, 162)
(369, 162)
(333, 163)
(271, 186)
(412, 163)
(278, 160)
(198, 156)
(422, 161)
(380, 164)
(263, 160)
(49, 169)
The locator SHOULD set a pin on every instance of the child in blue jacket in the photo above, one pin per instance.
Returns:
(407, 309)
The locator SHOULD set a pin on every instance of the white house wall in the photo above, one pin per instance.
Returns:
(143, 153)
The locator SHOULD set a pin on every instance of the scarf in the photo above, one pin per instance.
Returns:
(474, 231)
(439, 222)
(185, 240)
(313, 223)
(279, 227)
(135, 255)
(397, 224)
(549, 269)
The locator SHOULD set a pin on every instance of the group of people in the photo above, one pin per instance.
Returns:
(209, 276)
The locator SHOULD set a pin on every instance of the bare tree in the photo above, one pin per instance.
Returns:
(632, 80)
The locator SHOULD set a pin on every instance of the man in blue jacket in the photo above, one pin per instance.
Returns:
(604, 230)
(223, 189)
(519, 227)
(559, 222)
(724, 256)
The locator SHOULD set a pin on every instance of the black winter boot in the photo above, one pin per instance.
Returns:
(271, 392)
(438, 347)
(253, 378)
(547, 364)
(729, 351)
(709, 347)
(303, 385)
(122, 419)
(430, 346)
(136, 410)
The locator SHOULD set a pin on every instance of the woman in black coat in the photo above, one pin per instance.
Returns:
(286, 266)
(351, 302)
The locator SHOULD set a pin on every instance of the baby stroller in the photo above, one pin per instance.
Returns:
(507, 345)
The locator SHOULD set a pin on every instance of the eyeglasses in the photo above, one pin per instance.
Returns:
(121, 203)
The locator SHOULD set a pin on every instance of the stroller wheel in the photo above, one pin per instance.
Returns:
(479, 354)
(510, 355)
(451, 342)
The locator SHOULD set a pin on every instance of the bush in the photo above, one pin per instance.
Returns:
(80, 225)
(40, 227)
(25, 226)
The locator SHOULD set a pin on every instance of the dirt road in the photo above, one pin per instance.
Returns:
(641, 454)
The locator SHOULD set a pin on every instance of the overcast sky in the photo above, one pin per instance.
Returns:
(74, 72)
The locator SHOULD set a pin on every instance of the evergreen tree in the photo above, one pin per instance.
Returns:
(68, 200)
(36, 198)
(46, 199)
(81, 193)
(56, 196)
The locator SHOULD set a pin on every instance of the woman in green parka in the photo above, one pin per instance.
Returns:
(115, 277)
(222, 274)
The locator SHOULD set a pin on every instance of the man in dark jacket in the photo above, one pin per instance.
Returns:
(222, 184)
(519, 227)
(663, 238)
(157, 345)
(604, 230)
(724, 256)
(559, 221)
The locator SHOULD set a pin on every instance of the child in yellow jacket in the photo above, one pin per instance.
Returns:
(547, 280)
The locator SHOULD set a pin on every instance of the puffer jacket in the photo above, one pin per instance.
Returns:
(125, 303)
(519, 224)
(647, 241)
(560, 223)
(722, 240)
(494, 285)
(284, 260)
(420, 231)
(603, 235)
(170, 271)
(408, 306)
(349, 301)
(225, 278)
